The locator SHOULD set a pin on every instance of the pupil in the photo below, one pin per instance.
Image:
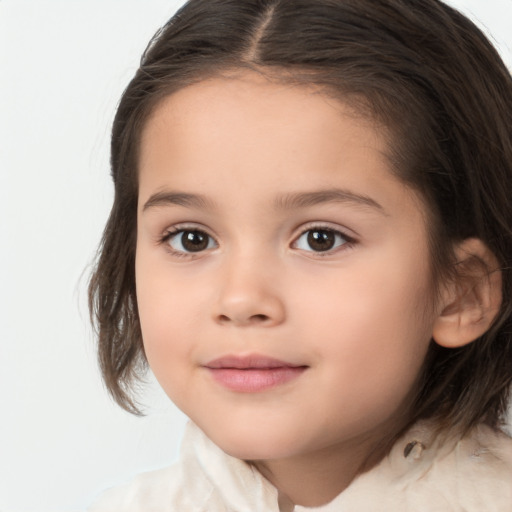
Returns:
(194, 241)
(321, 240)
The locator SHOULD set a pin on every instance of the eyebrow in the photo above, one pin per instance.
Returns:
(332, 195)
(284, 202)
(178, 199)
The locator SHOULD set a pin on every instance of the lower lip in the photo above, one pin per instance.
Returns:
(255, 380)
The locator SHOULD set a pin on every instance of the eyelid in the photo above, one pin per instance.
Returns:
(175, 229)
(350, 239)
(185, 226)
(349, 234)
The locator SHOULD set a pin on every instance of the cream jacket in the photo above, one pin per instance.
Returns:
(419, 475)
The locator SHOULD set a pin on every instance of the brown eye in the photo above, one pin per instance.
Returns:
(194, 241)
(190, 240)
(320, 240)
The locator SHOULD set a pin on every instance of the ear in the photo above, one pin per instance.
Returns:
(470, 302)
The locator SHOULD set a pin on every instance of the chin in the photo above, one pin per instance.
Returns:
(252, 443)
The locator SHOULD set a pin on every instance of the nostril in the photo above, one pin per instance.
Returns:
(256, 319)
(259, 318)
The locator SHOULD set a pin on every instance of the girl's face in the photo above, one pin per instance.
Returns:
(282, 270)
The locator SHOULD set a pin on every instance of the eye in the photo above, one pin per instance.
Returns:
(189, 240)
(321, 240)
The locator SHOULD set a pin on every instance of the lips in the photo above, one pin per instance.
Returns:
(252, 374)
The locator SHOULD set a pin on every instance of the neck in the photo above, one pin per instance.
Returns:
(314, 479)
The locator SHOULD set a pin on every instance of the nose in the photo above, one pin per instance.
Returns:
(249, 296)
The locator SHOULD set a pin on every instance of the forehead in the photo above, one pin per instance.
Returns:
(253, 101)
(266, 137)
(252, 111)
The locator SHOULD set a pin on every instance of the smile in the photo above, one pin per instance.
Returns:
(252, 374)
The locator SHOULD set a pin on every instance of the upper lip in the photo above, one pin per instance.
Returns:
(249, 362)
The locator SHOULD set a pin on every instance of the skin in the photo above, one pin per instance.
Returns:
(356, 316)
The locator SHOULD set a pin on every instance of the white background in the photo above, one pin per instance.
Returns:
(63, 66)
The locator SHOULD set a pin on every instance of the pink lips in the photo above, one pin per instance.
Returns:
(252, 374)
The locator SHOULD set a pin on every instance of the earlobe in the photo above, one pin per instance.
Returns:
(470, 302)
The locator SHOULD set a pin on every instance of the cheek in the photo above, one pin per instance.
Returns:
(167, 312)
(368, 296)
(166, 330)
(372, 328)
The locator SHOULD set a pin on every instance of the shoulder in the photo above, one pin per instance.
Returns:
(427, 474)
(172, 489)
(145, 492)
(182, 486)
(205, 479)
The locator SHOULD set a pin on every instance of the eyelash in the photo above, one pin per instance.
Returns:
(164, 240)
(348, 243)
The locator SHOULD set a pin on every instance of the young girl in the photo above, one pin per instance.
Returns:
(311, 247)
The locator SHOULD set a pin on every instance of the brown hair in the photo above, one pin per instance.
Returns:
(418, 67)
